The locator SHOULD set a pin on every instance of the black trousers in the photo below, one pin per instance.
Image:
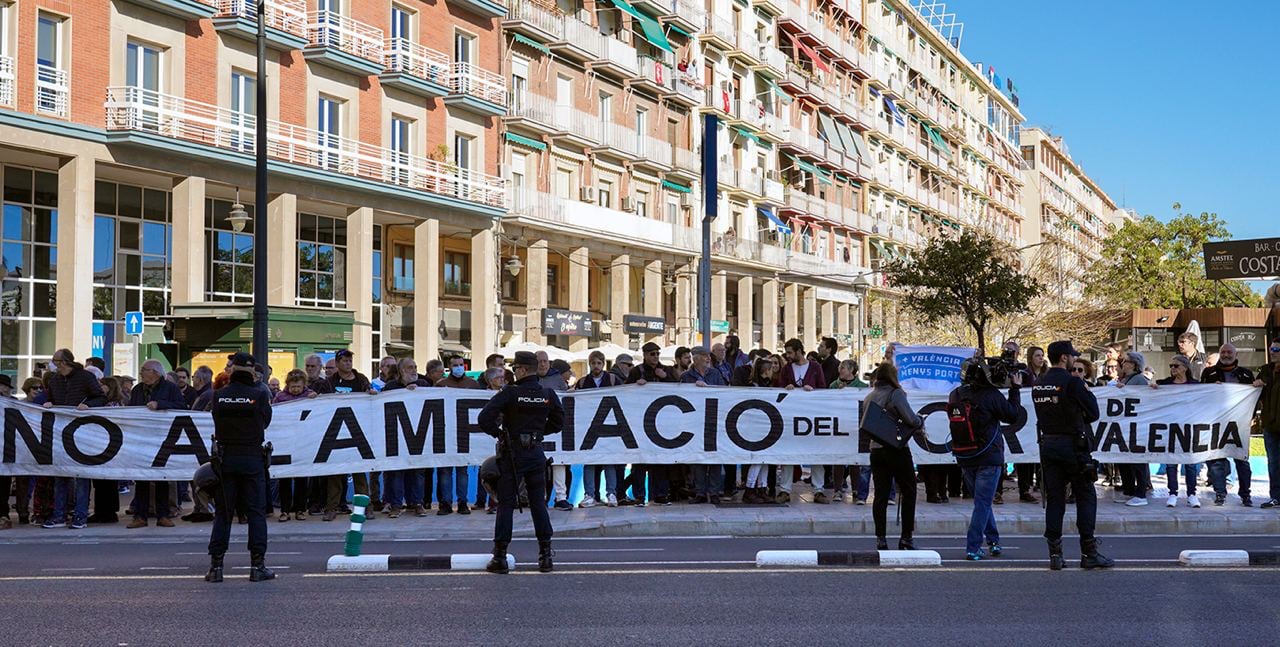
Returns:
(535, 479)
(22, 501)
(244, 481)
(1135, 479)
(1026, 473)
(1063, 464)
(893, 465)
(293, 494)
(142, 505)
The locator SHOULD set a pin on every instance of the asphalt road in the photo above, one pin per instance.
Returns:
(643, 591)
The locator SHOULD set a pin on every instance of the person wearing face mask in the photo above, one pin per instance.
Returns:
(1229, 371)
(1270, 419)
(456, 377)
(452, 482)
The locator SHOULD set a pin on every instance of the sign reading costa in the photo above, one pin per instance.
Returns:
(566, 322)
(1242, 259)
(641, 325)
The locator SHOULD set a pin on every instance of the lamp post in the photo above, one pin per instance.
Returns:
(260, 329)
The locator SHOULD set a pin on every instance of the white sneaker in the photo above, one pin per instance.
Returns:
(1173, 501)
(613, 500)
(1193, 501)
(1136, 501)
(588, 502)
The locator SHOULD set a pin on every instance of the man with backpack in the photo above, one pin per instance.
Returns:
(975, 410)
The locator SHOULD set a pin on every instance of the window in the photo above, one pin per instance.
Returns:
(642, 128)
(142, 74)
(402, 268)
(457, 274)
(52, 85)
(565, 183)
(463, 47)
(673, 209)
(605, 106)
(553, 283)
(401, 22)
(642, 202)
(564, 93)
(462, 150)
(604, 193)
(329, 129)
(230, 253)
(519, 83)
(322, 261)
(28, 269)
(519, 197)
(377, 289)
(401, 149)
(244, 105)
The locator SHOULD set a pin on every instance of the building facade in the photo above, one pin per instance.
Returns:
(461, 175)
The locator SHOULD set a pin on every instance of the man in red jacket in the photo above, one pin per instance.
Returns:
(800, 373)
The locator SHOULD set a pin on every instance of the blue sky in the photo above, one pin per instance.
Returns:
(1161, 102)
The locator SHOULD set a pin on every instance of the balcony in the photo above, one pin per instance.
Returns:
(344, 44)
(534, 21)
(53, 91)
(747, 48)
(531, 111)
(717, 30)
(617, 57)
(722, 102)
(576, 126)
(601, 221)
(685, 162)
(581, 42)
(7, 82)
(654, 75)
(486, 8)
(689, 15)
(617, 140)
(654, 153)
(152, 119)
(184, 9)
(286, 21)
(772, 7)
(687, 90)
(772, 61)
(415, 69)
(477, 90)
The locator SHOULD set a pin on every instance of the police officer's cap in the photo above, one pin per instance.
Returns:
(242, 360)
(1059, 348)
(524, 358)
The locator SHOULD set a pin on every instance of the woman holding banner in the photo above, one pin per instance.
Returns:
(1180, 373)
(893, 464)
(764, 373)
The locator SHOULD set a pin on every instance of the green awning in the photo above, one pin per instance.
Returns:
(652, 30)
(822, 175)
(782, 94)
(521, 38)
(674, 186)
(672, 26)
(937, 139)
(829, 132)
(526, 141)
(750, 135)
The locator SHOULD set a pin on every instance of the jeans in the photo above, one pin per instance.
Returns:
(1135, 479)
(1271, 440)
(403, 487)
(451, 482)
(1219, 468)
(81, 490)
(982, 482)
(708, 480)
(1190, 473)
(591, 484)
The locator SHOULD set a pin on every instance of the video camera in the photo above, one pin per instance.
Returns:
(989, 371)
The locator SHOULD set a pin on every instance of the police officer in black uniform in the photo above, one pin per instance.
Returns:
(526, 411)
(1064, 410)
(241, 412)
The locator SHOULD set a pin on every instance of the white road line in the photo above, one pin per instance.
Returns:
(164, 568)
(273, 553)
(274, 568)
(610, 550)
(996, 560)
(66, 569)
(670, 563)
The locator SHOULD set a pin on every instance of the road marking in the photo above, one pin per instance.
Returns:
(997, 560)
(66, 569)
(670, 563)
(610, 550)
(274, 568)
(239, 554)
(744, 571)
(163, 568)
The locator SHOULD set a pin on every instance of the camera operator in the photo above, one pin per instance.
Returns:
(1064, 409)
(975, 410)
(1025, 472)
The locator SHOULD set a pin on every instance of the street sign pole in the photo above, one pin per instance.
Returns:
(710, 202)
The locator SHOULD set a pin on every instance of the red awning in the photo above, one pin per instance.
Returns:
(811, 53)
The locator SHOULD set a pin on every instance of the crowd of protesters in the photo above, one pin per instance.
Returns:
(57, 502)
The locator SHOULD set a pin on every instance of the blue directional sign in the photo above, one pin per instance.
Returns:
(133, 323)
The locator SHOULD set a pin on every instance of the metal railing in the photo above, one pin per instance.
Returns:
(289, 16)
(53, 91)
(129, 108)
(720, 27)
(584, 36)
(576, 122)
(686, 159)
(332, 29)
(619, 138)
(655, 149)
(7, 81)
(773, 57)
(656, 71)
(403, 55)
(537, 16)
(470, 79)
(621, 54)
(534, 107)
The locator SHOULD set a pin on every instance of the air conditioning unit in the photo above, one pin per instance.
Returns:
(686, 199)
(629, 204)
(587, 194)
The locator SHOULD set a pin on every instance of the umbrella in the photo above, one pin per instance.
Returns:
(552, 352)
(1194, 328)
(611, 352)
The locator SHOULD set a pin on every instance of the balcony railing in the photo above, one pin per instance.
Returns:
(537, 16)
(129, 108)
(575, 122)
(619, 138)
(773, 57)
(685, 159)
(620, 54)
(53, 91)
(331, 29)
(403, 55)
(534, 107)
(482, 84)
(584, 215)
(721, 28)
(6, 81)
(652, 148)
(289, 16)
(656, 72)
(583, 36)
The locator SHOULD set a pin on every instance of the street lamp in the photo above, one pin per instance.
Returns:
(260, 329)
(514, 266)
(668, 285)
(238, 216)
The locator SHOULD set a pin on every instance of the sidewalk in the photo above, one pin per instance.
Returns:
(798, 518)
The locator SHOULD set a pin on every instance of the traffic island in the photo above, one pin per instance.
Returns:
(380, 563)
(1208, 558)
(886, 558)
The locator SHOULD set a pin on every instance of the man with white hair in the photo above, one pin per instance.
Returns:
(157, 394)
(1229, 371)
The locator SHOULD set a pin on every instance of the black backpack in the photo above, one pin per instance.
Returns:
(967, 438)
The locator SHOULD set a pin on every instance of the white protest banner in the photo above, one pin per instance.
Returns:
(930, 368)
(656, 423)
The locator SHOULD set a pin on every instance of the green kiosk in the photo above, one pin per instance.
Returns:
(207, 332)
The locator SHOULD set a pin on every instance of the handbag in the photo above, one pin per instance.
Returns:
(884, 427)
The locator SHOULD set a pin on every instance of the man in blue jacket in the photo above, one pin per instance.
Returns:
(975, 409)
(157, 394)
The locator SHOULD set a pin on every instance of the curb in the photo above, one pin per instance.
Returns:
(888, 558)
(380, 563)
(1199, 558)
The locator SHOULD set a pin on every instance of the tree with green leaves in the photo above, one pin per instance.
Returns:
(1152, 264)
(974, 278)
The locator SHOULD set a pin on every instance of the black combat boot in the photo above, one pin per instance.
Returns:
(215, 569)
(498, 564)
(1090, 558)
(544, 557)
(258, 571)
(1055, 555)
